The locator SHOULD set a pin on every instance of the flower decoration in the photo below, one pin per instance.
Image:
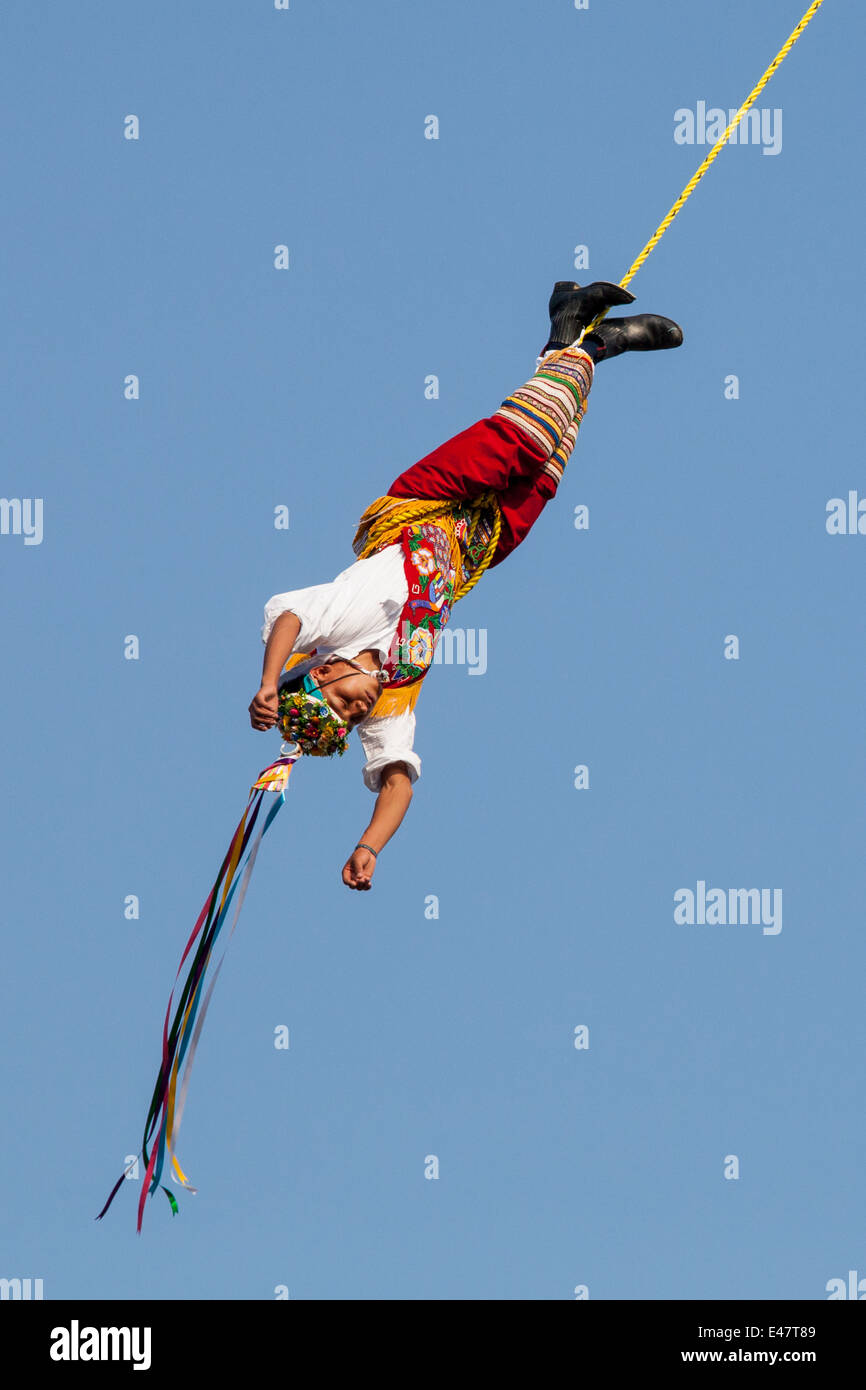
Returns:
(311, 724)
(421, 647)
(423, 560)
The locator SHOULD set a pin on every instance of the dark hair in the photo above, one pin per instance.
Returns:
(291, 683)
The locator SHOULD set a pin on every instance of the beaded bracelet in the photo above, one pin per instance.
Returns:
(369, 847)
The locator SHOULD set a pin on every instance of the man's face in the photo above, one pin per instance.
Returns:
(350, 694)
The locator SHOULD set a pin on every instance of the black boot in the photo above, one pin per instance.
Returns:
(643, 333)
(572, 308)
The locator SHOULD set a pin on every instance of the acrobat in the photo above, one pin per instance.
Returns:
(353, 653)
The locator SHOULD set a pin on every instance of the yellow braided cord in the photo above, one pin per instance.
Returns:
(382, 522)
(389, 520)
(491, 499)
(722, 140)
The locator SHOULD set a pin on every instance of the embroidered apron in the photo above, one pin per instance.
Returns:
(431, 579)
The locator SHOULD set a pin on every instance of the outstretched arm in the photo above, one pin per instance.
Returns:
(392, 803)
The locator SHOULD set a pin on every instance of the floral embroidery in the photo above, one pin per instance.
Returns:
(431, 579)
(474, 546)
(421, 647)
(435, 535)
(423, 561)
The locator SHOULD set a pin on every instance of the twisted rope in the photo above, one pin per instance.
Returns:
(722, 140)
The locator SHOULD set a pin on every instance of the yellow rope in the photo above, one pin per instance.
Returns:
(488, 498)
(696, 178)
(385, 517)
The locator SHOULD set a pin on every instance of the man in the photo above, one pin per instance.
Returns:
(368, 637)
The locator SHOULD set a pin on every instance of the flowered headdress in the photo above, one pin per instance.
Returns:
(305, 718)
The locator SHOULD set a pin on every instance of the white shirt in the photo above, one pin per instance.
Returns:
(358, 610)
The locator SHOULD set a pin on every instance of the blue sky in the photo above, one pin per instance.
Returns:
(413, 1035)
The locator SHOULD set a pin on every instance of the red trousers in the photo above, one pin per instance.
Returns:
(492, 453)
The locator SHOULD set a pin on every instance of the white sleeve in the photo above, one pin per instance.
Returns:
(385, 740)
(307, 604)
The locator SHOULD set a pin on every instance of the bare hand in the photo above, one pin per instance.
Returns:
(359, 870)
(263, 708)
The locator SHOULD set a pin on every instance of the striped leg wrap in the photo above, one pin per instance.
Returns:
(550, 407)
(555, 465)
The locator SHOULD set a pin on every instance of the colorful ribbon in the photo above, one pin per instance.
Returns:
(180, 1042)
